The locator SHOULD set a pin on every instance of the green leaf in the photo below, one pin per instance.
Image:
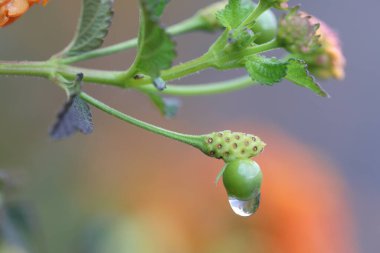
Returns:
(298, 74)
(266, 70)
(167, 106)
(74, 117)
(156, 7)
(93, 26)
(220, 174)
(156, 50)
(234, 13)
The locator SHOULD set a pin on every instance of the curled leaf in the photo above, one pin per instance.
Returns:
(74, 117)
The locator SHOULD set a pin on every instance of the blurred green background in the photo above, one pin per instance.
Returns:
(125, 190)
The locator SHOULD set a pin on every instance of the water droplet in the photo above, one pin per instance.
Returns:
(244, 208)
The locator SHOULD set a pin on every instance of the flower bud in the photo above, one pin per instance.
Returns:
(314, 41)
(297, 33)
(328, 60)
(265, 26)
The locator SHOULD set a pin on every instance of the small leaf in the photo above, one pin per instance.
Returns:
(220, 174)
(159, 83)
(234, 13)
(167, 106)
(93, 27)
(298, 74)
(156, 7)
(75, 116)
(266, 70)
(156, 50)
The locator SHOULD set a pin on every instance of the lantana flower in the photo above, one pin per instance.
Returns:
(314, 41)
(328, 61)
(11, 10)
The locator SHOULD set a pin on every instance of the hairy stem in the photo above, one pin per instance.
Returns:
(204, 89)
(188, 25)
(250, 20)
(193, 140)
(50, 69)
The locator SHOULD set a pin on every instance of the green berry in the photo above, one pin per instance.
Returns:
(231, 146)
(265, 27)
(242, 179)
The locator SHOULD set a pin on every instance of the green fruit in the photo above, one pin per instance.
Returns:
(265, 27)
(231, 146)
(242, 179)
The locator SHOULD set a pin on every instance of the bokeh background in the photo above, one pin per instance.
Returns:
(125, 190)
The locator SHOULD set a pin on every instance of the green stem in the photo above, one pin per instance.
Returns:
(188, 25)
(184, 69)
(250, 20)
(201, 63)
(38, 69)
(218, 60)
(203, 89)
(270, 45)
(50, 69)
(194, 23)
(193, 140)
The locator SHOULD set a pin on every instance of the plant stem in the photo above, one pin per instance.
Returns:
(193, 140)
(203, 89)
(260, 9)
(270, 45)
(184, 69)
(50, 69)
(188, 25)
(38, 69)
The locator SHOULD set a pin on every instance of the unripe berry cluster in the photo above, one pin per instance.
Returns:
(231, 146)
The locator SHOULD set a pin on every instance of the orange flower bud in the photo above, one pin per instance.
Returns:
(10, 10)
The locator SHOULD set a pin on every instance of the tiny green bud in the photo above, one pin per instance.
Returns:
(230, 146)
(265, 27)
(297, 34)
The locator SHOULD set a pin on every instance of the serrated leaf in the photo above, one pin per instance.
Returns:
(266, 70)
(156, 50)
(95, 20)
(234, 13)
(167, 106)
(74, 117)
(298, 74)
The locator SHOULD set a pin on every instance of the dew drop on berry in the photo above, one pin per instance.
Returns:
(244, 208)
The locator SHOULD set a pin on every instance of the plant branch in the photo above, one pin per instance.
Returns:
(193, 140)
(250, 20)
(50, 69)
(188, 25)
(203, 89)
